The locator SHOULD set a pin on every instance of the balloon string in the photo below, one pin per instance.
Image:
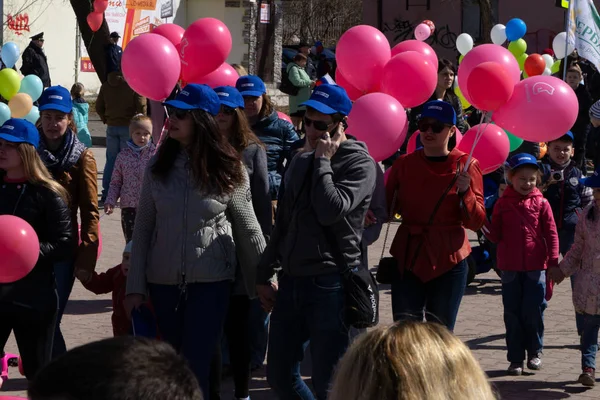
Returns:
(477, 137)
(164, 129)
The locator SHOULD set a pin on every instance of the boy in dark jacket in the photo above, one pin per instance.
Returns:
(566, 195)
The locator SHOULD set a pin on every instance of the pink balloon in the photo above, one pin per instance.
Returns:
(422, 32)
(95, 20)
(341, 80)
(99, 239)
(485, 53)
(491, 87)
(284, 116)
(542, 108)
(492, 148)
(362, 53)
(173, 32)
(419, 47)
(410, 78)
(19, 248)
(380, 121)
(225, 75)
(100, 6)
(206, 44)
(151, 66)
(411, 147)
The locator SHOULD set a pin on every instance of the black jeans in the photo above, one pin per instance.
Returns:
(236, 330)
(127, 221)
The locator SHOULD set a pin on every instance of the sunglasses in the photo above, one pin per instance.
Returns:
(177, 112)
(318, 125)
(227, 110)
(436, 126)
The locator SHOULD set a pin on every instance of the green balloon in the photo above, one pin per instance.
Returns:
(517, 47)
(521, 60)
(555, 67)
(462, 56)
(515, 142)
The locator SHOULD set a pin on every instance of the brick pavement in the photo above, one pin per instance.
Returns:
(480, 325)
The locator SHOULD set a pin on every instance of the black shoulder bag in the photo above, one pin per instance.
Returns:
(387, 270)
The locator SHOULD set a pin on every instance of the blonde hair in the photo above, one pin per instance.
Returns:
(240, 69)
(410, 361)
(36, 172)
(138, 119)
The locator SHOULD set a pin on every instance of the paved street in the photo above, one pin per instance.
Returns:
(480, 325)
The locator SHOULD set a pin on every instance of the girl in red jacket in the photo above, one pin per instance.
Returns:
(523, 227)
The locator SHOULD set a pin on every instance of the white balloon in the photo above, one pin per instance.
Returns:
(548, 60)
(547, 72)
(464, 43)
(499, 34)
(559, 44)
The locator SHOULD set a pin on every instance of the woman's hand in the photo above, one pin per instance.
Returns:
(267, 295)
(555, 274)
(132, 301)
(108, 209)
(464, 182)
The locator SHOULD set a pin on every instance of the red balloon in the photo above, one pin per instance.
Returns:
(410, 78)
(225, 75)
(100, 5)
(490, 86)
(492, 148)
(19, 248)
(419, 47)
(173, 32)
(284, 116)
(205, 45)
(341, 80)
(95, 20)
(535, 65)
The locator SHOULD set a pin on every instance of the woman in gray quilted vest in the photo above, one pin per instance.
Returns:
(195, 220)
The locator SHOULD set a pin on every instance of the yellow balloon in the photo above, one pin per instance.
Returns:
(10, 82)
(461, 96)
(20, 105)
(555, 67)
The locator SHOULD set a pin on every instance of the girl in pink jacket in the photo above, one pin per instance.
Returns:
(523, 227)
(126, 180)
(584, 259)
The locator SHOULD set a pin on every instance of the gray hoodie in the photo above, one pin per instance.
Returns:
(321, 215)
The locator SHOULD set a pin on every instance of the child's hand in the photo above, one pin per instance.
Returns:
(83, 275)
(555, 275)
(108, 209)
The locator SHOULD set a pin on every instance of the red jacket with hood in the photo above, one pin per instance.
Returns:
(524, 228)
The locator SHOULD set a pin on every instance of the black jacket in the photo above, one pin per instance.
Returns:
(36, 63)
(114, 52)
(50, 217)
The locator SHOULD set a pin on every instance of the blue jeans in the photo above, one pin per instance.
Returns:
(116, 140)
(307, 309)
(524, 299)
(259, 333)
(440, 297)
(192, 322)
(566, 237)
(63, 275)
(589, 340)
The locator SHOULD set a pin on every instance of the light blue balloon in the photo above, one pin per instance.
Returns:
(4, 113)
(33, 115)
(33, 86)
(515, 29)
(10, 54)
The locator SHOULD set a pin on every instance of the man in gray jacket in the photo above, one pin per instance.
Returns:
(317, 233)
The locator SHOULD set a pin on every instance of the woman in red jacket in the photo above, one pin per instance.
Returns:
(437, 199)
(523, 226)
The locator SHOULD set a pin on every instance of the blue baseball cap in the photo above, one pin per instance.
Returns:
(518, 160)
(17, 130)
(251, 85)
(56, 98)
(329, 99)
(230, 96)
(196, 97)
(592, 181)
(439, 110)
(566, 137)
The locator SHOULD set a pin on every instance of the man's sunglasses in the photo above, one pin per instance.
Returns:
(436, 126)
(318, 125)
(227, 110)
(177, 112)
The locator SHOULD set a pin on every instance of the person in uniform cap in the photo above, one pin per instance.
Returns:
(113, 54)
(35, 61)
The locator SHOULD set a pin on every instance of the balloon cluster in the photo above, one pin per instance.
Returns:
(96, 17)
(154, 62)
(20, 93)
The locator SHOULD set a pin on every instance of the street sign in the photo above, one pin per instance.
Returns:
(166, 9)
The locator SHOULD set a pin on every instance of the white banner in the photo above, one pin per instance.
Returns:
(584, 32)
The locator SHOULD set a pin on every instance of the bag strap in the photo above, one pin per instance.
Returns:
(389, 223)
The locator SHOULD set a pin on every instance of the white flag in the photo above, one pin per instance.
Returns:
(584, 33)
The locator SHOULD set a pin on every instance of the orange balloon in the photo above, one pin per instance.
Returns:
(535, 65)
(20, 105)
(543, 149)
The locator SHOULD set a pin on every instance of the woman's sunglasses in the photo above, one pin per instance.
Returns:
(436, 126)
(227, 110)
(177, 112)
(318, 125)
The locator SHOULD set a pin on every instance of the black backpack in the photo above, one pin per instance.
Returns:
(286, 86)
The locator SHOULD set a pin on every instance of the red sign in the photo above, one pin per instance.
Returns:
(19, 23)
(86, 65)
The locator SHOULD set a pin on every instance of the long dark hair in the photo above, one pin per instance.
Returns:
(443, 64)
(215, 164)
(241, 135)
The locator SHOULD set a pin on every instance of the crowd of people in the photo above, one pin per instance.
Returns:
(238, 228)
